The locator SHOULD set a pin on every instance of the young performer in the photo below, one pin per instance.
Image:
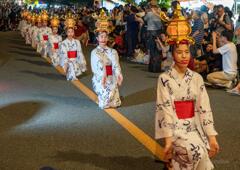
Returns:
(32, 27)
(26, 29)
(44, 33)
(71, 56)
(23, 22)
(35, 34)
(54, 41)
(106, 69)
(184, 116)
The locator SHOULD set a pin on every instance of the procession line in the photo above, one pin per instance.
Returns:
(136, 132)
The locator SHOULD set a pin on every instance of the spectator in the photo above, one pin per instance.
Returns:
(223, 21)
(81, 32)
(154, 27)
(132, 31)
(204, 16)
(228, 50)
(237, 34)
(197, 32)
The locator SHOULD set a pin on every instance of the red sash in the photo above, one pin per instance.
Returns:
(72, 54)
(55, 45)
(109, 70)
(184, 109)
(45, 37)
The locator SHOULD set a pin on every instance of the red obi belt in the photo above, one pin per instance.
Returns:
(45, 37)
(109, 70)
(55, 46)
(184, 109)
(72, 54)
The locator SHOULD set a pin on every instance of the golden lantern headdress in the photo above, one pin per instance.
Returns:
(55, 21)
(24, 14)
(34, 18)
(178, 28)
(102, 23)
(70, 21)
(39, 18)
(29, 17)
(44, 15)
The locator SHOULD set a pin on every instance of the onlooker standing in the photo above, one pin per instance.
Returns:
(132, 31)
(229, 57)
(223, 21)
(237, 34)
(204, 16)
(197, 32)
(154, 26)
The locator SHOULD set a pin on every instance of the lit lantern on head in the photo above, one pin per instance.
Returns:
(178, 28)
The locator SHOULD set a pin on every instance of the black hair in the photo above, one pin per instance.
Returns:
(220, 6)
(227, 34)
(134, 9)
(175, 3)
(97, 33)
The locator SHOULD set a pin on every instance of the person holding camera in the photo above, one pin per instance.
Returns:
(228, 51)
(223, 21)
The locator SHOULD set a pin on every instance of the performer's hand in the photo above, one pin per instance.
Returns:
(53, 50)
(120, 79)
(168, 148)
(167, 152)
(214, 147)
(65, 67)
(104, 81)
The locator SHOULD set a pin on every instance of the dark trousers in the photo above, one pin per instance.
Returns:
(155, 55)
(131, 43)
(238, 60)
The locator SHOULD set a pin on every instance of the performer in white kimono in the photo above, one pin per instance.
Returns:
(71, 56)
(26, 29)
(106, 69)
(54, 41)
(44, 34)
(23, 23)
(183, 115)
(36, 32)
(32, 27)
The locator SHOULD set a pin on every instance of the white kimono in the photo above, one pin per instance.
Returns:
(35, 37)
(54, 43)
(190, 142)
(108, 96)
(44, 32)
(22, 26)
(74, 66)
(25, 32)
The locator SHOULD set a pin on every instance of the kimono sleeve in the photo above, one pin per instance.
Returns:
(204, 109)
(51, 41)
(80, 57)
(63, 54)
(115, 63)
(164, 111)
(97, 65)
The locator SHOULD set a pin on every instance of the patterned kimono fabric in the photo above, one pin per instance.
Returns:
(71, 55)
(45, 32)
(105, 62)
(184, 113)
(32, 36)
(54, 43)
(23, 25)
(25, 32)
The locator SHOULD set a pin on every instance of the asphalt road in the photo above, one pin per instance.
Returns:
(47, 122)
